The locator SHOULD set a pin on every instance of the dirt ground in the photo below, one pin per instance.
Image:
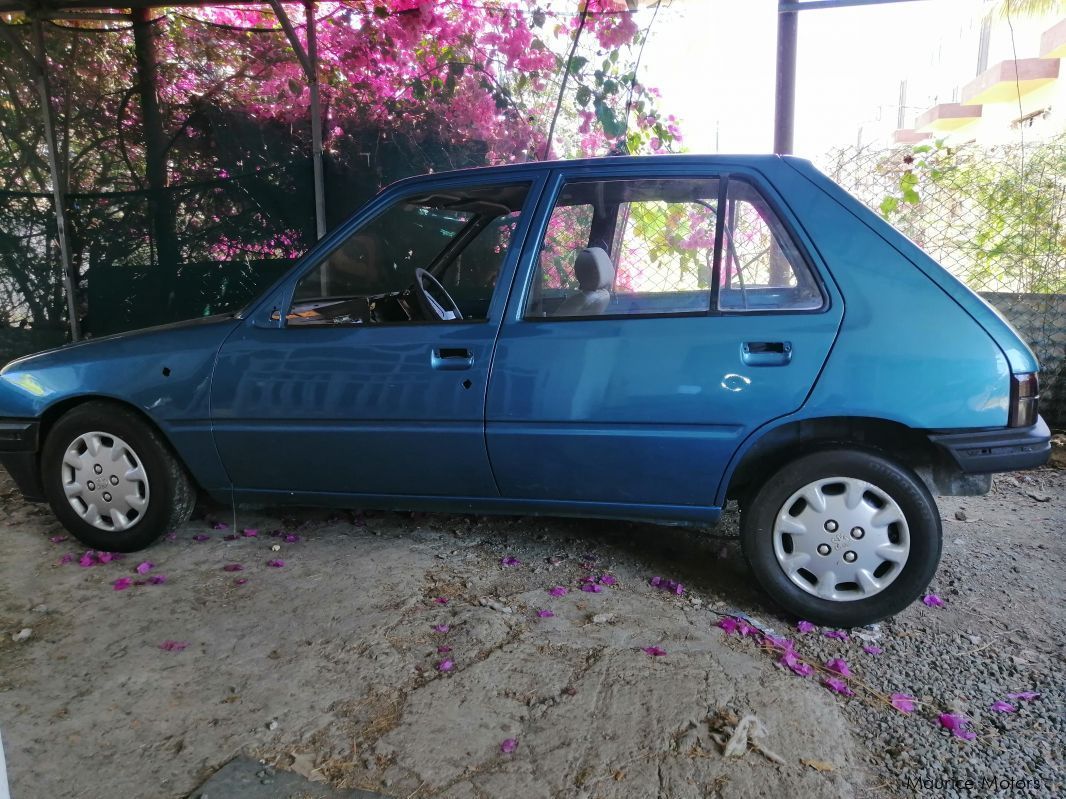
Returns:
(336, 664)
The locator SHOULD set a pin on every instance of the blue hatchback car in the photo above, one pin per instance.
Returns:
(637, 338)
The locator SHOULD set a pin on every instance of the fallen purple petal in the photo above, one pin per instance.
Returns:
(559, 591)
(445, 665)
(276, 563)
(510, 560)
(441, 600)
(444, 649)
(157, 579)
(545, 614)
(58, 539)
(592, 588)
(87, 560)
(145, 567)
(173, 646)
(729, 624)
(171, 536)
(837, 686)
(840, 635)
(106, 557)
(933, 601)
(957, 725)
(778, 644)
(805, 626)
(796, 665)
(608, 579)
(509, 745)
(250, 532)
(233, 567)
(219, 526)
(240, 581)
(68, 557)
(1004, 707)
(902, 702)
(838, 666)
(441, 628)
(871, 649)
(291, 538)
(664, 584)
(122, 583)
(201, 537)
(654, 651)
(1025, 696)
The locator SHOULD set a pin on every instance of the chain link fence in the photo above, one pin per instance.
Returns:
(995, 217)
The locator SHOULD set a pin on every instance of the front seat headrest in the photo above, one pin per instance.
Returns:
(594, 269)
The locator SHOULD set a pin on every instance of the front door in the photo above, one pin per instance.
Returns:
(660, 320)
(360, 382)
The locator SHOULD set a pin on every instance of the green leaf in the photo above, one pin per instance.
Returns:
(539, 17)
(576, 64)
(608, 120)
(584, 94)
(888, 205)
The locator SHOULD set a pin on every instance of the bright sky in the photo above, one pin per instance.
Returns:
(714, 61)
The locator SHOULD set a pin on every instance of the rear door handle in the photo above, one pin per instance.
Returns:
(766, 353)
(451, 358)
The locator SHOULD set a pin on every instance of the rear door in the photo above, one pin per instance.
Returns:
(719, 320)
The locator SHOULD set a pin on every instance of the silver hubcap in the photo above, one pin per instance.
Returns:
(105, 481)
(841, 539)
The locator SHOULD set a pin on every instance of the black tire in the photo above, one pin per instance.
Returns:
(898, 482)
(171, 494)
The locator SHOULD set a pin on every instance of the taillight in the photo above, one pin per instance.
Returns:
(1024, 396)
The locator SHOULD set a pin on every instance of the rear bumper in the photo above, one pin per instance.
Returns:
(19, 439)
(1004, 449)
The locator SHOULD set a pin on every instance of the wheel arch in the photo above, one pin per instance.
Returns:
(792, 439)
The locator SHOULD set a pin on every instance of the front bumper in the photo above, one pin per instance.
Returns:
(1004, 449)
(19, 439)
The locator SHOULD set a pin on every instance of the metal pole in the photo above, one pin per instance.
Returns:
(316, 120)
(785, 91)
(48, 117)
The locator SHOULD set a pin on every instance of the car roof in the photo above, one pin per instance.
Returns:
(755, 161)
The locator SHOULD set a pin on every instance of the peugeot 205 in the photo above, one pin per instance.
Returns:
(635, 338)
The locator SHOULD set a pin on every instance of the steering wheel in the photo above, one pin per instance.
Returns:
(430, 306)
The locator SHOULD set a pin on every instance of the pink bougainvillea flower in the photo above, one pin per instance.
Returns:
(122, 583)
(796, 665)
(291, 538)
(441, 600)
(545, 614)
(445, 665)
(106, 557)
(729, 624)
(276, 563)
(559, 591)
(665, 584)
(957, 725)
(219, 526)
(933, 601)
(508, 745)
(871, 649)
(441, 628)
(805, 626)
(1004, 707)
(444, 649)
(746, 629)
(840, 635)
(173, 646)
(510, 560)
(233, 567)
(240, 581)
(201, 537)
(1025, 696)
(58, 539)
(87, 560)
(654, 651)
(157, 579)
(837, 686)
(592, 588)
(902, 702)
(249, 532)
(145, 567)
(608, 579)
(778, 644)
(838, 666)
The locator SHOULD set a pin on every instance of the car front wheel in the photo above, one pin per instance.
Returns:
(112, 480)
(843, 537)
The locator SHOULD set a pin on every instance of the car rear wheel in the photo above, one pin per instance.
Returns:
(112, 480)
(843, 537)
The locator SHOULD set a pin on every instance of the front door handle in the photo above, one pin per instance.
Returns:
(766, 353)
(451, 358)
